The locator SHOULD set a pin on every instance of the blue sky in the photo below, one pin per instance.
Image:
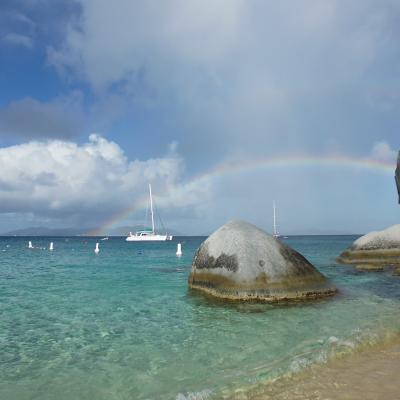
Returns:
(99, 98)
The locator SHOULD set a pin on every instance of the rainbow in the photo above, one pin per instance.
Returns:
(234, 167)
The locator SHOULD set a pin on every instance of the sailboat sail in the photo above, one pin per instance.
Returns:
(148, 235)
(275, 229)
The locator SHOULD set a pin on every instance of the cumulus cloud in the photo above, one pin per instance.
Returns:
(187, 32)
(89, 182)
(29, 118)
(242, 76)
(67, 184)
(229, 80)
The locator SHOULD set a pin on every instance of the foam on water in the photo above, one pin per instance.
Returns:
(203, 395)
(122, 325)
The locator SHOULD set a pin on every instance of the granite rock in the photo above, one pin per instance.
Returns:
(375, 250)
(241, 262)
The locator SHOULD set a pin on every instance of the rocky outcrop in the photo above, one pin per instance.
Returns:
(375, 250)
(241, 262)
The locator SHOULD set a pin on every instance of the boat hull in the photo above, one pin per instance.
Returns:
(148, 238)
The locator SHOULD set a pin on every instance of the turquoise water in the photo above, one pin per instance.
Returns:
(122, 324)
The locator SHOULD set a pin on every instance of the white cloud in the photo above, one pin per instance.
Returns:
(18, 40)
(66, 184)
(186, 45)
(159, 37)
(242, 76)
(383, 152)
(20, 17)
(89, 182)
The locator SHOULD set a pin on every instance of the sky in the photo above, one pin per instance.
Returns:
(222, 105)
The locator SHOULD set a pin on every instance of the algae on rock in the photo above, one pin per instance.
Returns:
(375, 250)
(241, 262)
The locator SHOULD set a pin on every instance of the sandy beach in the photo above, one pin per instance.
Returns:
(370, 374)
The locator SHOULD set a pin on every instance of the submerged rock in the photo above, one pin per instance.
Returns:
(375, 250)
(241, 262)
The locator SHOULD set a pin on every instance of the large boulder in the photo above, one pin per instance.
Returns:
(375, 250)
(241, 262)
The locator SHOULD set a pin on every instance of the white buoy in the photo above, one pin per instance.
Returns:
(179, 250)
(30, 245)
(96, 250)
(51, 246)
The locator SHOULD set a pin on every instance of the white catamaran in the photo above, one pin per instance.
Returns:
(275, 233)
(147, 234)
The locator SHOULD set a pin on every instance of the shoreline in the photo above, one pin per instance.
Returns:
(368, 373)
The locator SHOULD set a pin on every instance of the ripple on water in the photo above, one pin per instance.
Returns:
(121, 325)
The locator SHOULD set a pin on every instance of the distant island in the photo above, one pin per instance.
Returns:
(43, 231)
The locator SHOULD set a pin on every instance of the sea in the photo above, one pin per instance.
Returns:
(122, 324)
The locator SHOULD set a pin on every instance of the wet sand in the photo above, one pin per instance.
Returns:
(371, 374)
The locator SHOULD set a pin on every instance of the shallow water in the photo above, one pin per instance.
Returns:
(122, 324)
(369, 374)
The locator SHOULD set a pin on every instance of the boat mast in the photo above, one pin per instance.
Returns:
(275, 231)
(151, 209)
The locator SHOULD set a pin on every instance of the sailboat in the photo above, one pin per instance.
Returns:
(147, 234)
(275, 233)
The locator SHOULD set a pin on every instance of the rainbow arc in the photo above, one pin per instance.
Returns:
(234, 167)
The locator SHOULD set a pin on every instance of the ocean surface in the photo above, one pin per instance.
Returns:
(122, 324)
